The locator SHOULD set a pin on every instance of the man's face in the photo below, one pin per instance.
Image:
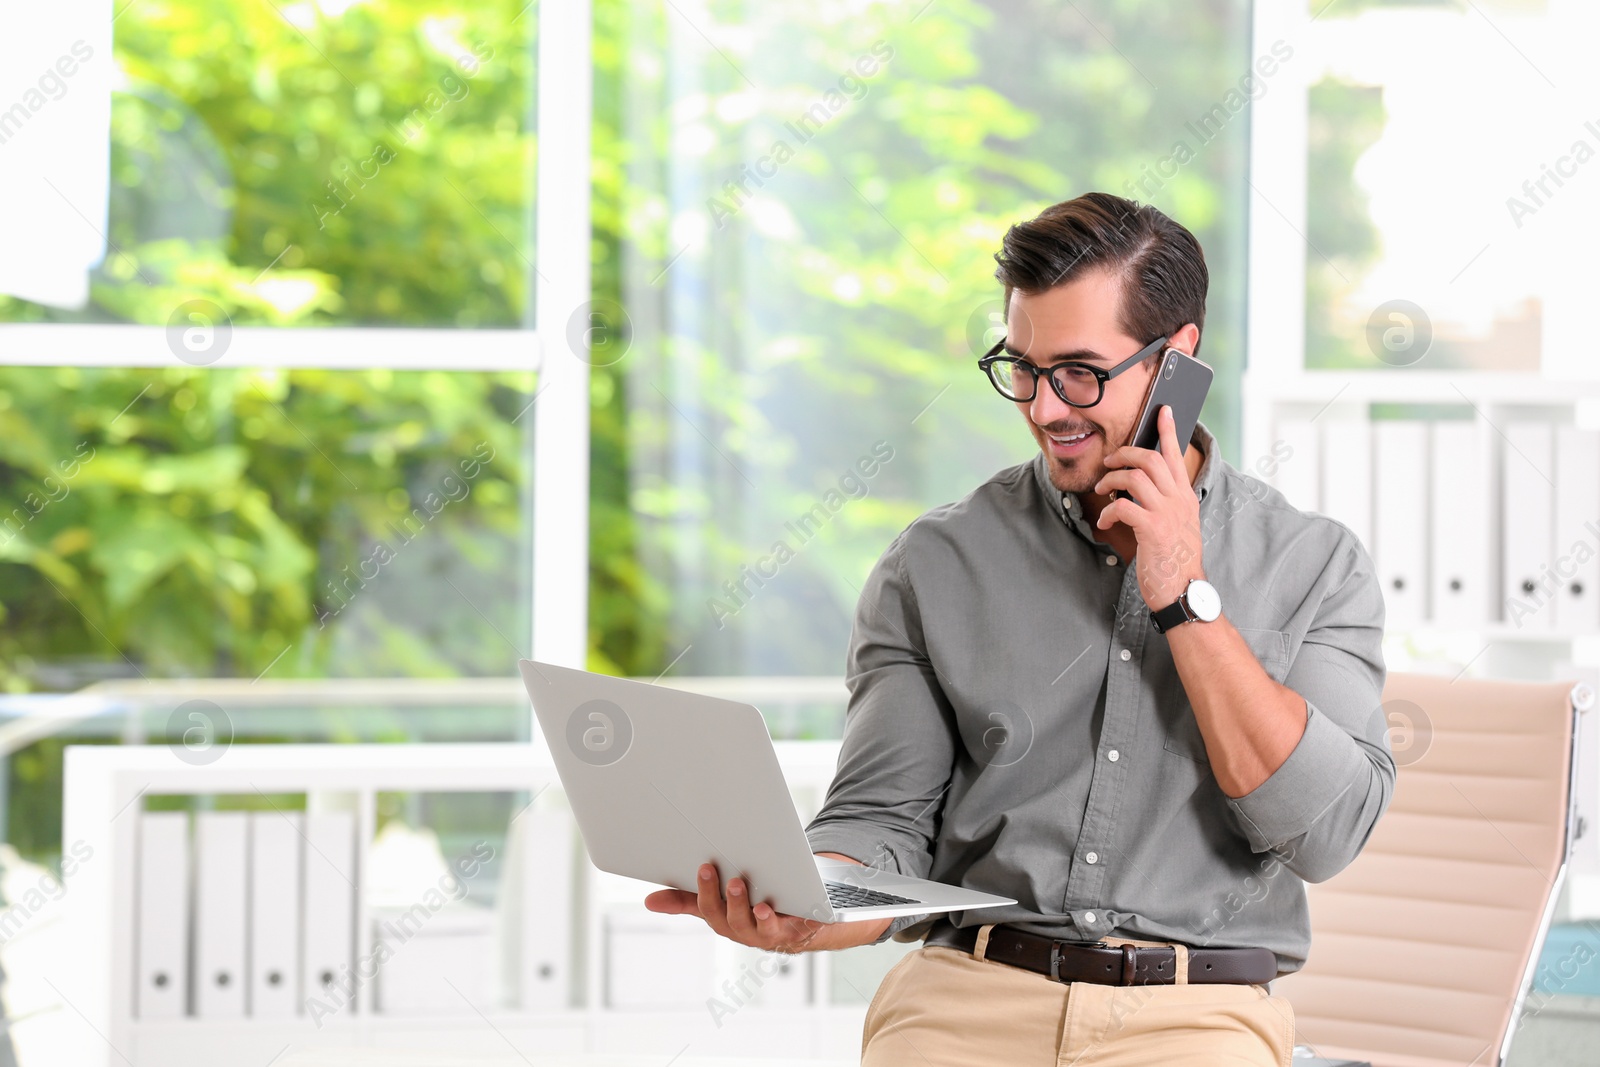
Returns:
(1078, 321)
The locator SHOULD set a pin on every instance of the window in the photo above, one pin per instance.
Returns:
(1438, 202)
(309, 164)
(286, 429)
(799, 219)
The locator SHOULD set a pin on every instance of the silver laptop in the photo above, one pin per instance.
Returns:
(662, 781)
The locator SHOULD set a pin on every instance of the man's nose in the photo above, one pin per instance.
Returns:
(1046, 407)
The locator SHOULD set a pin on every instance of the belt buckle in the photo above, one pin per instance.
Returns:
(1055, 961)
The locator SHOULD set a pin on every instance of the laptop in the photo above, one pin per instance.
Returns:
(663, 780)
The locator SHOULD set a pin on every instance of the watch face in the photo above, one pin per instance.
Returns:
(1203, 600)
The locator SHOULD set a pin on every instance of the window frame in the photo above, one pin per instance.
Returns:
(560, 411)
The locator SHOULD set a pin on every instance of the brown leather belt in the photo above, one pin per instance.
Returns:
(1078, 961)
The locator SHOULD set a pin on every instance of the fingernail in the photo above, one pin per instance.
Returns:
(705, 874)
(735, 889)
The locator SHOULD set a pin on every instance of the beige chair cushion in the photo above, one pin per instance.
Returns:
(1419, 946)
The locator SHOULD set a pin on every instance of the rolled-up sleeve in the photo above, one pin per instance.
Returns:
(1317, 810)
(884, 803)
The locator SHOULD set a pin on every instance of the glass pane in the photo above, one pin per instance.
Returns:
(1442, 202)
(261, 525)
(803, 242)
(1012, 378)
(1081, 386)
(320, 163)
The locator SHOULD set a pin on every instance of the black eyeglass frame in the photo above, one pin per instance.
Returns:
(1101, 375)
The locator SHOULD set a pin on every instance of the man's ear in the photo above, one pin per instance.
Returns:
(1185, 339)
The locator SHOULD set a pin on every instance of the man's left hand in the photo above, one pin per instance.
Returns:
(1166, 518)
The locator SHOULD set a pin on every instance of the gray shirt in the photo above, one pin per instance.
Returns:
(1016, 725)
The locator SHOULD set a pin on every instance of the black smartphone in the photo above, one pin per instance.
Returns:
(1182, 381)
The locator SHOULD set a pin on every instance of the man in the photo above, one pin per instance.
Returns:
(1149, 720)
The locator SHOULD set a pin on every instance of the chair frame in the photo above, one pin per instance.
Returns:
(1579, 701)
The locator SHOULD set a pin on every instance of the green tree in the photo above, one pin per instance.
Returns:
(291, 167)
(830, 311)
(784, 324)
(1344, 121)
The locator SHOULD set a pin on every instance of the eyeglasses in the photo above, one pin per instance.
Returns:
(1080, 384)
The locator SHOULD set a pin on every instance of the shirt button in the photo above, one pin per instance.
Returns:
(1093, 857)
(1088, 917)
(1111, 561)
(1113, 755)
(1125, 655)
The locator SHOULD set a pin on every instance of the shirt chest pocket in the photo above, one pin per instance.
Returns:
(1271, 649)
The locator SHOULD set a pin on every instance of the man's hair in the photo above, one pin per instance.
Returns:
(1159, 263)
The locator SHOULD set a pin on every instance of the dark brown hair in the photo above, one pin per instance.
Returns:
(1159, 263)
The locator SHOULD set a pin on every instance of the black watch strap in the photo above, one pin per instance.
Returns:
(1169, 616)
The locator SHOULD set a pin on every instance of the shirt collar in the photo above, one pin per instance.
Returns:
(1205, 479)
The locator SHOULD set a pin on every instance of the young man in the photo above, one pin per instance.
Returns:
(1148, 720)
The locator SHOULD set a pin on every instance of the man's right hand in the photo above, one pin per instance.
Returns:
(761, 925)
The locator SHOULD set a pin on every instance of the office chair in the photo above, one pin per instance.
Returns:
(1423, 949)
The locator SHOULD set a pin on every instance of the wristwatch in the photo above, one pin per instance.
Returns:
(1199, 600)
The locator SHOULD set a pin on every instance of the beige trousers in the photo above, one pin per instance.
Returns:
(942, 1007)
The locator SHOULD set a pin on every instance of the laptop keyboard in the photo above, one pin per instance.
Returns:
(853, 896)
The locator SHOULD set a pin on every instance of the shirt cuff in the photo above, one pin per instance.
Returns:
(1323, 766)
(863, 845)
(905, 922)
(853, 840)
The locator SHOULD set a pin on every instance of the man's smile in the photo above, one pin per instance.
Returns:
(1064, 446)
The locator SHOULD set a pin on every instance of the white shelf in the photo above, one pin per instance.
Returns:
(1405, 385)
(104, 787)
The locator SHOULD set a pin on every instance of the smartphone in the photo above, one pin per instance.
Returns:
(1181, 381)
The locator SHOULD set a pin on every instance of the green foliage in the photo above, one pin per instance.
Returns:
(33, 799)
(296, 167)
(262, 159)
(784, 322)
(371, 167)
(201, 521)
(627, 604)
(1344, 121)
